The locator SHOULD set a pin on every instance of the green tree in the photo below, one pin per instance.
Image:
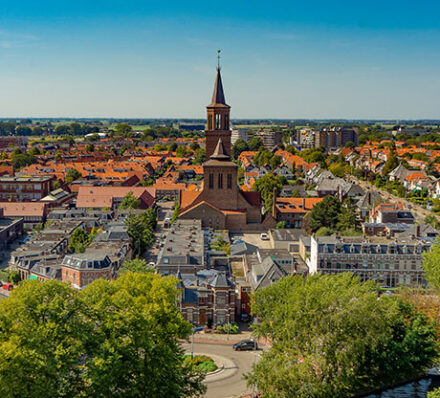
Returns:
(390, 164)
(20, 159)
(324, 231)
(140, 228)
(338, 170)
(181, 151)
(79, 241)
(199, 156)
(34, 151)
(72, 175)
(14, 277)
(255, 144)
(325, 214)
(434, 393)
(136, 265)
(123, 129)
(175, 212)
(431, 266)
(275, 162)
(332, 336)
(117, 339)
(129, 202)
(266, 186)
(239, 147)
(313, 155)
(41, 334)
(433, 220)
(173, 147)
(348, 216)
(194, 145)
(281, 225)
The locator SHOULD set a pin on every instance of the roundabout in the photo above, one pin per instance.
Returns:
(227, 381)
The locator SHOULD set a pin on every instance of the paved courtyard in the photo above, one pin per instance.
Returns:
(254, 239)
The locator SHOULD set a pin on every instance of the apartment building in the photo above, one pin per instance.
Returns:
(390, 262)
(24, 189)
(183, 249)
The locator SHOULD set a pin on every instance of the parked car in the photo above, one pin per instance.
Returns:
(7, 286)
(245, 345)
(264, 236)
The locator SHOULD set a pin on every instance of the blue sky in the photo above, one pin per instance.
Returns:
(281, 59)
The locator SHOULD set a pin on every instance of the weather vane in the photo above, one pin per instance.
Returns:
(218, 59)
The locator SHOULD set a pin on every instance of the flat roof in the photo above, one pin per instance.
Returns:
(26, 179)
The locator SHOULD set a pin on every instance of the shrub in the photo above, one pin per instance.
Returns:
(201, 362)
(233, 328)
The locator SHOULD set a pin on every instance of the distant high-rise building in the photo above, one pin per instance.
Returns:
(238, 134)
(334, 138)
(270, 138)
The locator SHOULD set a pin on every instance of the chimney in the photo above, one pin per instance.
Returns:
(417, 230)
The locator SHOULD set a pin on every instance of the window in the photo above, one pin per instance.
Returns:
(190, 315)
(221, 300)
(221, 319)
(211, 181)
(229, 181)
(220, 181)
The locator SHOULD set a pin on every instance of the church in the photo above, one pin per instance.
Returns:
(220, 204)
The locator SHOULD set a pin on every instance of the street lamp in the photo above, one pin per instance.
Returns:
(194, 330)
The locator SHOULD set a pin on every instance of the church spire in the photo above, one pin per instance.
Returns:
(218, 95)
(217, 118)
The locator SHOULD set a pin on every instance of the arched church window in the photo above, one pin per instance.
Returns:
(220, 181)
(211, 181)
(229, 181)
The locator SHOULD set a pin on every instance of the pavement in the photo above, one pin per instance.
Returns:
(254, 239)
(228, 383)
(418, 210)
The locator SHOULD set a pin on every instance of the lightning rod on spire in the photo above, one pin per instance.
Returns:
(218, 59)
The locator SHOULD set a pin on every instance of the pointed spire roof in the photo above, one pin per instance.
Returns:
(219, 151)
(218, 95)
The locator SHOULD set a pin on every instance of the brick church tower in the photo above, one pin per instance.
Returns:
(217, 125)
(221, 204)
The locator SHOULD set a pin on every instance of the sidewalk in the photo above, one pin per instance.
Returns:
(224, 339)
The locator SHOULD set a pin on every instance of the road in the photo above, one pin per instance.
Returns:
(417, 209)
(229, 383)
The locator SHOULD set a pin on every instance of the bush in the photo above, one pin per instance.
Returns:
(201, 363)
(324, 231)
(4, 276)
(233, 328)
(434, 393)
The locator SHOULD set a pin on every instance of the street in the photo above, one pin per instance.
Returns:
(228, 383)
(417, 209)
